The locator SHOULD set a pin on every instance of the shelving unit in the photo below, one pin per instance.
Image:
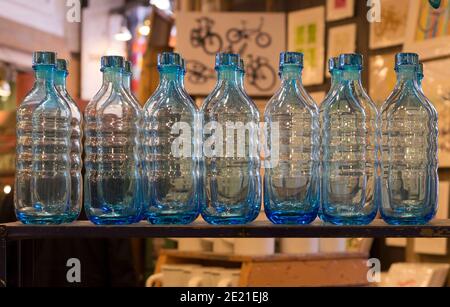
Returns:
(260, 229)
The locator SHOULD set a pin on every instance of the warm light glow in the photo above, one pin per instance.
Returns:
(144, 30)
(5, 89)
(124, 35)
(161, 4)
(7, 189)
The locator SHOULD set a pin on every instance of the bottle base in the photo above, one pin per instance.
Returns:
(225, 220)
(348, 221)
(28, 219)
(294, 218)
(407, 221)
(178, 219)
(129, 220)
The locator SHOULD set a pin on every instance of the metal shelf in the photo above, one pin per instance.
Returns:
(259, 229)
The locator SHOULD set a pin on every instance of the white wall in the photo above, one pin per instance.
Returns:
(45, 15)
(97, 40)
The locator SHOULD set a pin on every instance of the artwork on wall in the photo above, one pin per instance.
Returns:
(340, 9)
(258, 38)
(306, 33)
(430, 34)
(382, 77)
(437, 88)
(341, 40)
(392, 28)
(436, 246)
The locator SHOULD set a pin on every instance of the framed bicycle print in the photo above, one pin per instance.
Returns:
(306, 33)
(392, 28)
(258, 38)
(430, 29)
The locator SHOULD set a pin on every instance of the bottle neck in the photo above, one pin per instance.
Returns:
(241, 77)
(60, 80)
(228, 76)
(170, 75)
(127, 81)
(113, 77)
(407, 76)
(336, 77)
(45, 76)
(291, 75)
(351, 77)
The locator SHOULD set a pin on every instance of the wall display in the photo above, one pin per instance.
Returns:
(429, 33)
(341, 40)
(258, 38)
(436, 246)
(307, 34)
(382, 77)
(340, 9)
(437, 88)
(392, 28)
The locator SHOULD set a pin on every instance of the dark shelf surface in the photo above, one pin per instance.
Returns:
(260, 229)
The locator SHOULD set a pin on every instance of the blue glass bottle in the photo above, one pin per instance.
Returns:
(291, 182)
(230, 147)
(42, 189)
(112, 182)
(76, 193)
(409, 168)
(127, 77)
(169, 138)
(349, 150)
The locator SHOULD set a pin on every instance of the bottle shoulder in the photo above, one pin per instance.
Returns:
(229, 100)
(407, 99)
(291, 102)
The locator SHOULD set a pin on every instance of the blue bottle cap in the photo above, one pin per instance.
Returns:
(128, 67)
(113, 61)
(406, 59)
(168, 59)
(333, 64)
(44, 58)
(62, 65)
(228, 59)
(291, 58)
(351, 60)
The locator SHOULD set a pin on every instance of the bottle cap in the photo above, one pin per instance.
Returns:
(333, 64)
(406, 59)
(169, 59)
(291, 58)
(228, 59)
(351, 60)
(128, 67)
(113, 61)
(44, 58)
(62, 65)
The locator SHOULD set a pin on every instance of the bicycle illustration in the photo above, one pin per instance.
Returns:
(204, 37)
(391, 22)
(260, 74)
(236, 36)
(199, 73)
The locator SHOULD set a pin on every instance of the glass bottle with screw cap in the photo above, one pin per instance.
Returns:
(230, 145)
(349, 150)
(291, 181)
(171, 163)
(409, 150)
(112, 182)
(42, 188)
(76, 141)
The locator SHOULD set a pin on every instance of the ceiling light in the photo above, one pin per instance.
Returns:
(123, 35)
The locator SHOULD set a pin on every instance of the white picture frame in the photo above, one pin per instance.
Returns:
(391, 30)
(428, 41)
(306, 34)
(340, 9)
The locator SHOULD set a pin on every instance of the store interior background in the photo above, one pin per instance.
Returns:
(140, 30)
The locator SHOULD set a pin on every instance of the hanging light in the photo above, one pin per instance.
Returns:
(145, 29)
(162, 4)
(124, 35)
(7, 189)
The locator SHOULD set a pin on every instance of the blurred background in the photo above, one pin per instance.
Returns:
(83, 31)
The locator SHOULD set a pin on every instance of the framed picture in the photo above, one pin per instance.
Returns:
(429, 33)
(306, 33)
(436, 246)
(392, 28)
(341, 40)
(340, 9)
(382, 77)
(437, 88)
(258, 38)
